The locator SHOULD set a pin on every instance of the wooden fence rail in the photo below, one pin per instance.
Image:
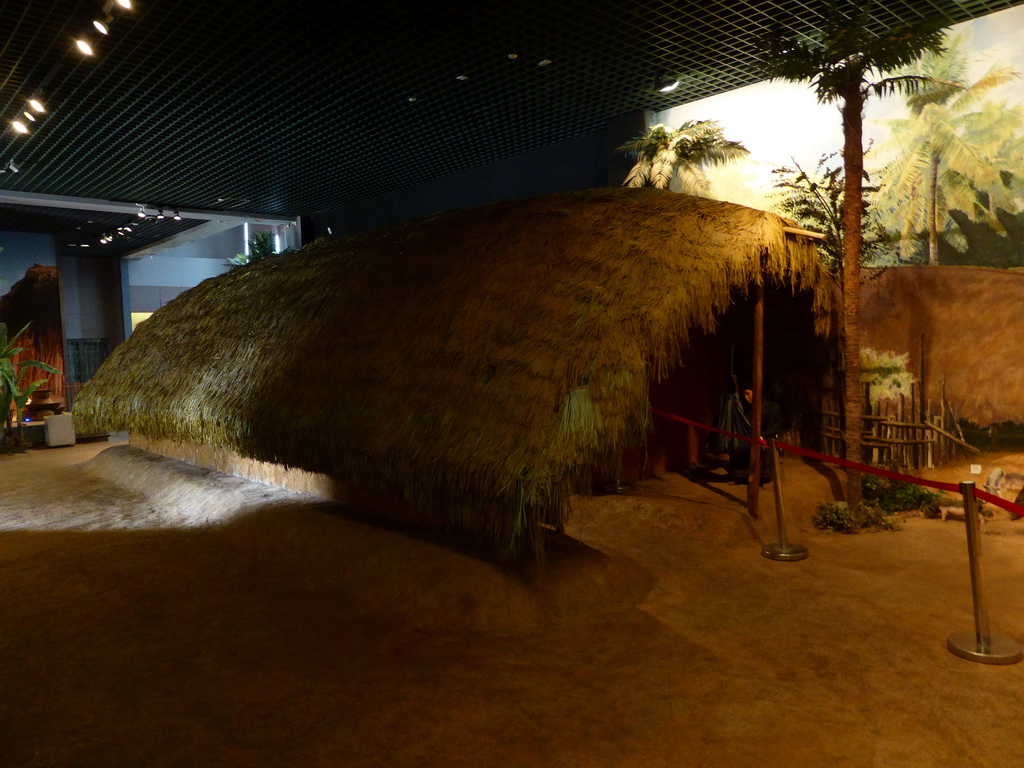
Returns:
(902, 432)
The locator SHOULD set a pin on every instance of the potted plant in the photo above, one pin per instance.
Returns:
(12, 376)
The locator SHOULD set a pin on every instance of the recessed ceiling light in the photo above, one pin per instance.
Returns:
(462, 77)
(513, 55)
(19, 126)
(84, 47)
(666, 84)
(543, 62)
(37, 105)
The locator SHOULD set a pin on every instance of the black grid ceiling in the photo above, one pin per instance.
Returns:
(298, 108)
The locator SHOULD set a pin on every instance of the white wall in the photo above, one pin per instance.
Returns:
(155, 280)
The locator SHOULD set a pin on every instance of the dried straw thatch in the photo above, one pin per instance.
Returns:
(477, 363)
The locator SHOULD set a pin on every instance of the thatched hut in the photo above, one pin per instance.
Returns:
(476, 364)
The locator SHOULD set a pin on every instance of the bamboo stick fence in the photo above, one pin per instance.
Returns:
(906, 432)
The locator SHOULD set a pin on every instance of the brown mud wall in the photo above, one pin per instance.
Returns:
(972, 324)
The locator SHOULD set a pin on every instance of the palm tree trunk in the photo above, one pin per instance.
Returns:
(933, 214)
(853, 165)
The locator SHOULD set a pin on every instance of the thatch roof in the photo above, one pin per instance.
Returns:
(476, 363)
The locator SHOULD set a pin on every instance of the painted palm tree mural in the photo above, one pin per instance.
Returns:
(664, 153)
(956, 152)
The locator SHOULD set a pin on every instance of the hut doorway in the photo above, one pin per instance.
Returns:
(795, 369)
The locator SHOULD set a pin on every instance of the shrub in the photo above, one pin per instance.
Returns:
(840, 518)
(895, 495)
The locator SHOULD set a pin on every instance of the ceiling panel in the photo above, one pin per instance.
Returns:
(297, 108)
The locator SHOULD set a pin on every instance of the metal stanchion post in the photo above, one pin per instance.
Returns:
(979, 645)
(783, 550)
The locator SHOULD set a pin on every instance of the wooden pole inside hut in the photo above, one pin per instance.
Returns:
(754, 481)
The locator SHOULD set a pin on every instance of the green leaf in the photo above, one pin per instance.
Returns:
(16, 336)
(36, 364)
(32, 388)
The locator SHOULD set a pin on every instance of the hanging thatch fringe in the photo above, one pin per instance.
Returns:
(477, 363)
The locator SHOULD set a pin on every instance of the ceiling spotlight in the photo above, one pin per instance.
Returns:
(125, 4)
(177, 216)
(160, 213)
(101, 27)
(666, 84)
(142, 212)
(37, 105)
(19, 126)
(29, 116)
(12, 167)
(83, 46)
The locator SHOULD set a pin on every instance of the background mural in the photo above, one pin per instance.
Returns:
(944, 202)
(30, 293)
(946, 166)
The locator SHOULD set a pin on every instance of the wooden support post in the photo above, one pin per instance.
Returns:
(924, 389)
(754, 481)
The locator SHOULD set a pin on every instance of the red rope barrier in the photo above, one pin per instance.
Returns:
(991, 498)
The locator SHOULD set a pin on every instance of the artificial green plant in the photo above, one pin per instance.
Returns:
(12, 375)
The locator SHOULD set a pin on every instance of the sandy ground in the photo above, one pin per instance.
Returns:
(153, 614)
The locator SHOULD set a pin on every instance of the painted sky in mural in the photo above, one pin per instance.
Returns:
(782, 124)
(21, 250)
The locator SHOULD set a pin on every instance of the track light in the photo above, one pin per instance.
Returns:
(12, 167)
(83, 46)
(142, 212)
(160, 214)
(101, 27)
(37, 105)
(29, 116)
(666, 84)
(19, 126)
(125, 4)
(177, 216)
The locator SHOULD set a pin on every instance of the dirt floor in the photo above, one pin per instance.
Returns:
(153, 614)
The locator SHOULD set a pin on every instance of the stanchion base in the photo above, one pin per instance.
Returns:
(792, 552)
(1001, 650)
(617, 486)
